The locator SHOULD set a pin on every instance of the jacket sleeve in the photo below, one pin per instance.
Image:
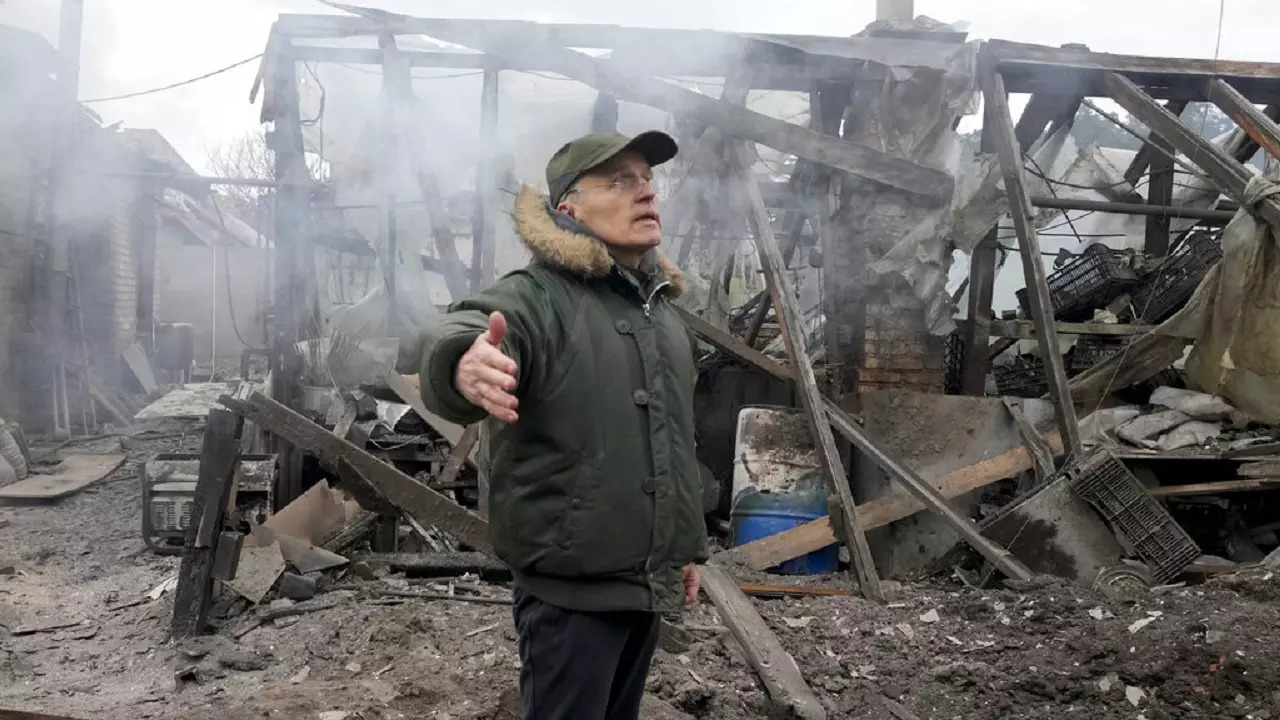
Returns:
(530, 341)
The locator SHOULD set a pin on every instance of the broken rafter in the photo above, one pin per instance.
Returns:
(802, 142)
(1255, 123)
(1229, 174)
(1000, 122)
(793, 334)
(420, 503)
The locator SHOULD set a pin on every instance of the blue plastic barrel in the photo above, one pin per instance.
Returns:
(761, 514)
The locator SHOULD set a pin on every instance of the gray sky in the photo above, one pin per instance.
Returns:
(132, 45)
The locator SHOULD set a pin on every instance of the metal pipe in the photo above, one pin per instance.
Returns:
(1056, 203)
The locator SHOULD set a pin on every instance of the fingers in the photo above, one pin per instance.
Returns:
(484, 352)
(497, 329)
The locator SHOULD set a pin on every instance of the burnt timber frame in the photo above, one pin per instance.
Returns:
(1136, 83)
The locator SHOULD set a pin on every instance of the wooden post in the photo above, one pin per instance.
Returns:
(484, 237)
(793, 333)
(1000, 121)
(1142, 160)
(982, 283)
(219, 456)
(1159, 192)
(398, 87)
(290, 268)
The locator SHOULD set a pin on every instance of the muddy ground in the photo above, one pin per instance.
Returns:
(1050, 650)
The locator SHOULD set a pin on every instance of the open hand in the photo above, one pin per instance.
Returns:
(486, 377)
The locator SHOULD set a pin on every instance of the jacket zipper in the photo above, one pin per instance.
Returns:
(647, 305)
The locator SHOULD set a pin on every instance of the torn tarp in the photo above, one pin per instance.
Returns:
(1235, 313)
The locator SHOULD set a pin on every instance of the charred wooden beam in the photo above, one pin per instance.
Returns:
(1036, 68)
(1224, 169)
(425, 506)
(438, 564)
(998, 118)
(775, 666)
(1025, 330)
(219, 455)
(1255, 123)
(793, 333)
(802, 142)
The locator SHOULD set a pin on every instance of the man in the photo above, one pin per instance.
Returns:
(585, 375)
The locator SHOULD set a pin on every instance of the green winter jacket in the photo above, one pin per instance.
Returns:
(594, 494)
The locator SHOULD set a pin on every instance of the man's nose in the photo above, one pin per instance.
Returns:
(647, 193)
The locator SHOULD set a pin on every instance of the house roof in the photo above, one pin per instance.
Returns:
(154, 147)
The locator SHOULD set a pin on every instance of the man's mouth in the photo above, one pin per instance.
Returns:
(649, 216)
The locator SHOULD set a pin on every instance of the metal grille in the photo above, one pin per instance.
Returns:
(1106, 484)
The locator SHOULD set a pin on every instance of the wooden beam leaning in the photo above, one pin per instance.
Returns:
(787, 137)
(219, 455)
(1224, 169)
(1255, 123)
(793, 333)
(422, 504)
(776, 667)
(767, 552)
(999, 119)
(929, 496)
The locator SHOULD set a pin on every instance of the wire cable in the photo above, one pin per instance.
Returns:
(171, 86)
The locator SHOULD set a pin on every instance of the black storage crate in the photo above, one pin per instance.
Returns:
(1174, 281)
(1091, 280)
(1106, 484)
(1024, 378)
(1090, 350)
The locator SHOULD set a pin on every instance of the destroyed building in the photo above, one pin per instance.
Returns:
(975, 424)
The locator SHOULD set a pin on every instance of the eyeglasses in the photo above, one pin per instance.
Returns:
(622, 183)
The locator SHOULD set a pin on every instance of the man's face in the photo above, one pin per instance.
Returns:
(616, 201)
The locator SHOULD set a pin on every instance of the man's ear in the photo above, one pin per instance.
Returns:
(567, 209)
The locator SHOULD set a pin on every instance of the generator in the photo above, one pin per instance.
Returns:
(169, 493)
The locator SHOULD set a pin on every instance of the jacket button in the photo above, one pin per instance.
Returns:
(577, 503)
(647, 485)
(640, 397)
(623, 326)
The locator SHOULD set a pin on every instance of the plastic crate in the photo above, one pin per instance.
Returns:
(1106, 484)
(1094, 278)
(1174, 281)
(953, 363)
(1090, 350)
(1024, 378)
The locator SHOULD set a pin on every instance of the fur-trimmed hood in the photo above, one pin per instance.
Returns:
(559, 243)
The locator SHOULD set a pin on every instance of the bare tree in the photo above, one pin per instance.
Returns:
(249, 156)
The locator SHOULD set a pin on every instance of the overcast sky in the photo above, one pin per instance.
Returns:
(132, 45)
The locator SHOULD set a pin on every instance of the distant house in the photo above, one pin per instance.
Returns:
(139, 250)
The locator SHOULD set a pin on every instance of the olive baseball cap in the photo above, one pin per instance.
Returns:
(590, 151)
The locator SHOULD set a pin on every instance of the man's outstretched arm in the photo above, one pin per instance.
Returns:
(485, 351)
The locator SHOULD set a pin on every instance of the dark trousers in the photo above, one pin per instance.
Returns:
(582, 665)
